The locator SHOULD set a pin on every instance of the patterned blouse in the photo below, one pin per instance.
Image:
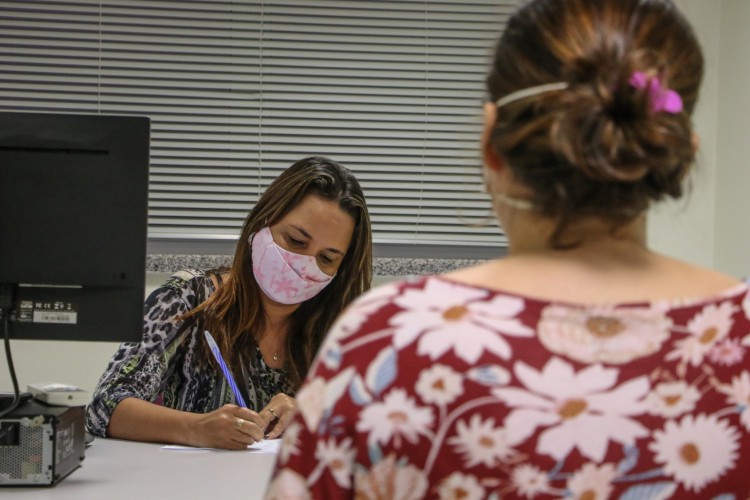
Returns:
(164, 367)
(432, 388)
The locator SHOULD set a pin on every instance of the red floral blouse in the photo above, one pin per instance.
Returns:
(432, 388)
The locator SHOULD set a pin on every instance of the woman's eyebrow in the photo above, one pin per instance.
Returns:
(335, 250)
(304, 233)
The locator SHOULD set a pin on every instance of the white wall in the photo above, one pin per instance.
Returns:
(710, 227)
(684, 229)
(732, 231)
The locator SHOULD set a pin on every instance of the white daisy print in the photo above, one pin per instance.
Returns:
(746, 304)
(436, 313)
(739, 394)
(395, 417)
(697, 450)
(592, 482)
(570, 405)
(459, 486)
(529, 481)
(706, 328)
(339, 458)
(288, 484)
(481, 442)
(439, 385)
(289, 442)
(672, 399)
(392, 479)
(352, 319)
(606, 335)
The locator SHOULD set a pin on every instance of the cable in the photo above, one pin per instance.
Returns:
(6, 305)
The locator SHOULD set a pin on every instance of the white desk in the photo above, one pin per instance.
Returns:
(115, 469)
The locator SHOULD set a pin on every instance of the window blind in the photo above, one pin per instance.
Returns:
(239, 90)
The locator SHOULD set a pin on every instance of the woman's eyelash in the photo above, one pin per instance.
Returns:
(298, 243)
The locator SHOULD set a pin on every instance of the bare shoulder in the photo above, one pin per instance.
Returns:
(508, 274)
(656, 278)
(468, 274)
(697, 278)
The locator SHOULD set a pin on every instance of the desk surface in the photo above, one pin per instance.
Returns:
(115, 469)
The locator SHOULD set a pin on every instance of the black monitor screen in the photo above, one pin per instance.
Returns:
(73, 223)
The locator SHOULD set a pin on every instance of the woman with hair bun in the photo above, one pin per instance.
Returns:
(583, 364)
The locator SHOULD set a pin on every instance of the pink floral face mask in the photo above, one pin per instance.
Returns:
(285, 277)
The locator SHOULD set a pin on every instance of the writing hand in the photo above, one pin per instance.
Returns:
(277, 414)
(230, 427)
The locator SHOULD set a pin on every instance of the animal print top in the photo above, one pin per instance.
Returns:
(164, 368)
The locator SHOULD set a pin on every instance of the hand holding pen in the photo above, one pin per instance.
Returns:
(279, 411)
(235, 425)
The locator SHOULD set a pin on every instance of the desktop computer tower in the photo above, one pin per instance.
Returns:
(40, 444)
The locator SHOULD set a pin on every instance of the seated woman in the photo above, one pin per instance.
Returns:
(582, 365)
(304, 253)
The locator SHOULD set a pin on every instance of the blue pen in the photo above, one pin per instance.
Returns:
(225, 369)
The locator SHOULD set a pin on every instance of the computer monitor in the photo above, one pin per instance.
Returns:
(73, 224)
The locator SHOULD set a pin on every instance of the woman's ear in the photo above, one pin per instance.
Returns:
(491, 158)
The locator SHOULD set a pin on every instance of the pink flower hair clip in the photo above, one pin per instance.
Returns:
(662, 99)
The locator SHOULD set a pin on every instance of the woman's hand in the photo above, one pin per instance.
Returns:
(230, 427)
(279, 412)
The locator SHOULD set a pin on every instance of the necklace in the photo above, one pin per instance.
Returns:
(266, 339)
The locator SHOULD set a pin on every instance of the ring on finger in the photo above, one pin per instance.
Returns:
(272, 412)
(239, 423)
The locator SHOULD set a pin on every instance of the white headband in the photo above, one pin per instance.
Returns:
(530, 91)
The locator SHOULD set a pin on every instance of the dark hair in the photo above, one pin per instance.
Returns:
(596, 147)
(234, 313)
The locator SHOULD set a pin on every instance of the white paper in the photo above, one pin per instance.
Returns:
(264, 446)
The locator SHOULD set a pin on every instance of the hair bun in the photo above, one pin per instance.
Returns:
(617, 124)
(608, 144)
